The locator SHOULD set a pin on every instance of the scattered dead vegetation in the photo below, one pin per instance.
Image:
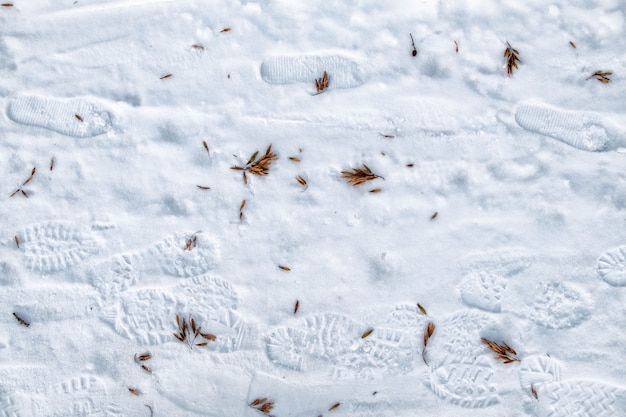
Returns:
(284, 268)
(188, 332)
(430, 330)
(321, 84)
(260, 167)
(165, 76)
(294, 159)
(263, 405)
(602, 76)
(511, 55)
(359, 176)
(21, 320)
(29, 179)
(142, 358)
(192, 242)
(503, 352)
(376, 190)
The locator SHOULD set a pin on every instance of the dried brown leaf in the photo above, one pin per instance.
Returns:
(225, 30)
(134, 391)
(208, 336)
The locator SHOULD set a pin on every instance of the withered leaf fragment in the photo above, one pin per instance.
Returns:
(334, 406)
(165, 76)
(296, 306)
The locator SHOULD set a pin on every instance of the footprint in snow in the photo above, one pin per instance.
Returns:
(569, 397)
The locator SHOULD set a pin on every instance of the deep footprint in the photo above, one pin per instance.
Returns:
(76, 117)
(582, 130)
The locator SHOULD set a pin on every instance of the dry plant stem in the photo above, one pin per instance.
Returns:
(503, 352)
(359, 175)
(422, 309)
(414, 52)
(296, 306)
(512, 59)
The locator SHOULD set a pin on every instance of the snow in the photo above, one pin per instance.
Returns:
(111, 238)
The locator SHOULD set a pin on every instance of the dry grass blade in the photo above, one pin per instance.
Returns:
(296, 307)
(257, 402)
(422, 309)
(80, 119)
(387, 136)
(511, 55)
(359, 176)
(145, 368)
(284, 268)
(197, 46)
(52, 164)
(203, 187)
(294, 159)
(434, 216)
(572, 44)
(533, 391)
(602, 76)
(165, 76)
(503, 352)
(208, 336)
(134, 391)
(17, 241)
(7, 5)
(225, 30)
(375, 190)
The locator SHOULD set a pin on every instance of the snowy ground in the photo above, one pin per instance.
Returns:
(111, 102)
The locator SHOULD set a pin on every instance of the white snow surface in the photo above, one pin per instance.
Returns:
(499, 207)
